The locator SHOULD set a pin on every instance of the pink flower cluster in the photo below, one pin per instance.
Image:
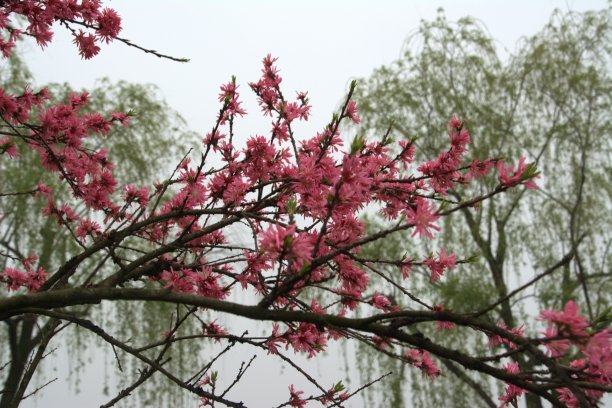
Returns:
(567, 337)
(60, 138)
(214, 329)
(311, 179)
(567, 328)
(438, 266)
(421, 359)
(295, 399)
(443, 325)
(30, 278)
(511, 392)
(301, 198)
(305, 338)
(510, 177)
(203, 282)
(495, 340)
(8, 146)
(423, 216)
(443, 170)
(383, 303)
(100, 24)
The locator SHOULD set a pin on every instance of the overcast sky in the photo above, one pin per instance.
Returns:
(321, 46)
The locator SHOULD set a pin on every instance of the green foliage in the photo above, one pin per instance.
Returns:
(549, 101)
(464, 290)
(156, 139)
(14, 74)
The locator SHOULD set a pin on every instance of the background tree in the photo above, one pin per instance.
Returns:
(137, 150)
(549, 100)
(300, 202)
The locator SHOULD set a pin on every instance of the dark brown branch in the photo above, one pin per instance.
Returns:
(564, 261)
(470, 382)
(67, 297)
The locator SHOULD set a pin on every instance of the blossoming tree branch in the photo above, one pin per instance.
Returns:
(302, 201)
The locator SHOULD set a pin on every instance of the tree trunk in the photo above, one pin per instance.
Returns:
(21, 346)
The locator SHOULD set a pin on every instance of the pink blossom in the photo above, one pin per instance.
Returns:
(330, 396)
(8, 146)
(382, 302)
(290, 111)
(459, 138)
(13, 278)
(6, 46)
(213, 139)
(214, 329)
(406, 155)
(88, 227)
(599, 354)
(429, 366)
(109, 25)
(90, 10)
(43, 189)
(235, 191)
(353, 278)
(307, 338)
(295, 400)
(555, 348)
(121, 117)
(569, 321)
(406, 268)
(36, 279)
(455, 123)
(133, 193)
(274, 340)
(228, 91)
(276, 239)
(207, 283)
(437, 267)
(280, 131)
(495, 340)
(176, 280)
(478, 169)
(232, 106)
(421, 359)
(511, 392)
(443, 325)
(86, 44)
(96, 123)
(509, 178)
(382, 343)
(351, 111)
(349, 298)
(422, 215)
(262, 161)
(568, 398)
(28, 262)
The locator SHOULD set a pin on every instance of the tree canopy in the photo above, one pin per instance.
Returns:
(25, 232)
(550, 100)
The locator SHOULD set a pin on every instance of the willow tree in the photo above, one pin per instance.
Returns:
(550, 100)
(133, 147)
(300, 201)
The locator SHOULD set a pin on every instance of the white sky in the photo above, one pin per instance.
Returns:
(321, 46)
